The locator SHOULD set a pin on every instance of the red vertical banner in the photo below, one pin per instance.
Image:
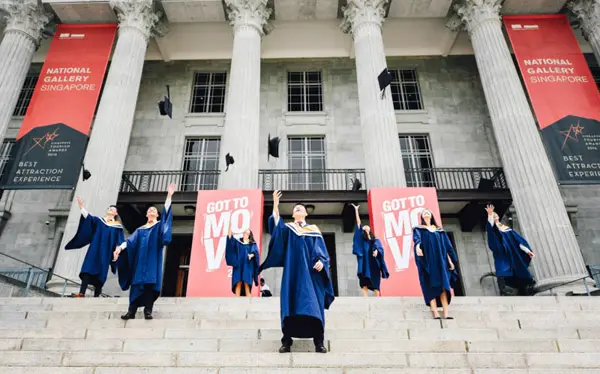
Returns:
(209, 275)
(53, 136)
(562, 91)
(394, 212)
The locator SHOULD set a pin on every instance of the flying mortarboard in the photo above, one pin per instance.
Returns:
(165, 106)
(273, 147)
(228, 161)
(85, 175)
(356, 185)
(384, 79)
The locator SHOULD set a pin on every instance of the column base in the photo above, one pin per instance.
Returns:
(557, 286)
(58, 286)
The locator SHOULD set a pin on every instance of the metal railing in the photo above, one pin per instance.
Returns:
(158, 180)
(29, 275)
(457, 178)
(310, 179)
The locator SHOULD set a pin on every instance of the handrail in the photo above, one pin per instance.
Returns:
(48, 271)
(587, 290)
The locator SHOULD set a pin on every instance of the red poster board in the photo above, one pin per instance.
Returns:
(209, 276)
(394, 212)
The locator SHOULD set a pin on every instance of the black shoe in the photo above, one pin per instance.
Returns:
(148, 316)
(320, 349)
(285, 349)
(128, 315)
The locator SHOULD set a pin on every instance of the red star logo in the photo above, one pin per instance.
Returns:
(42, 141)
(572, 133)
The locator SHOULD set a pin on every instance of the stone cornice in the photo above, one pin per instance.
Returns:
(138, 14)
(475, 12)
(25, 16)
(254, 13)
(588, 13)
(361, 12)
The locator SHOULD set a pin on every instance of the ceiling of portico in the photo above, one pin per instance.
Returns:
(306, 10)
(82, 11)
(180, 11)
(532, 6)
(419, 8)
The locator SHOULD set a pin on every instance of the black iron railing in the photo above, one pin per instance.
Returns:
(483, 179)
(158, 180)
(311, 179)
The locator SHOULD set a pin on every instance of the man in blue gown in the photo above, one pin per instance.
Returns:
(306, 288)
(141, 267)
(102, 234)
(512, 255)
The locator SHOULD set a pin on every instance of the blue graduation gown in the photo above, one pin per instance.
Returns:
(435, 275)
(509, 259)
(102, 237)
(244, 270)
(370, 269)
(142, 260)
(305, 292)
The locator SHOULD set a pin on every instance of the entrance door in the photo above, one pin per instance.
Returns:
(459, 288)
(330, 243)
(177, 265)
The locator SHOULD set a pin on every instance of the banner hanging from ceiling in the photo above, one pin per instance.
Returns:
(54, 133)
(562, 91)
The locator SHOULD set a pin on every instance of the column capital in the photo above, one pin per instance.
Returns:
(25, 16)
(475, 12)
(588, 13)
(253, 13)
(138, 14)
(361, 12)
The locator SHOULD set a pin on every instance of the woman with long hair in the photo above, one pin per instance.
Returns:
(242, 255)
(436, 259)
(369, 252)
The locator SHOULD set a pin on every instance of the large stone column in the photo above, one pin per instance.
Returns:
(383, 160)
(242, 114)
(588, 12)
(25, 21)
(109, 140)
(542, 214)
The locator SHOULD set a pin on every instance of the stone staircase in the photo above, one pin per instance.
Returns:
(489, 335)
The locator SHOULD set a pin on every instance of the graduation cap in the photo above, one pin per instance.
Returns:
(229, 161)
(165, 107)
(273, 147)
(356, 185)
(384, 79)
(86, 173)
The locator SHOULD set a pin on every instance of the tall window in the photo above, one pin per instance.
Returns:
(7, 150)
(406, 94)
(306, 160)
(208, 93)
(25, 95)
(201, 162)
(305, 91)
(416, 156)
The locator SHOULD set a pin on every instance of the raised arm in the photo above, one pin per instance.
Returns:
(490, 211)
(356, 214)
(84, 212)
(276, 197)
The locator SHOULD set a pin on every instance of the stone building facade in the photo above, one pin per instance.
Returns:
(439, 108)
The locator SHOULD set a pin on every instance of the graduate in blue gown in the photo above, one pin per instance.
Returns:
(102, 234)
(242, 255)
(435, 258)
(370, 259)
(512, 255)
(306, 288)
(140, 267)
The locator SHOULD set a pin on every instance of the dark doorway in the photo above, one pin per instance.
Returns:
(177, 265)
(330, 243)
(459, 288)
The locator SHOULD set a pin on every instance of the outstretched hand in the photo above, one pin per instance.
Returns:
(80, 202)
(276, 197)
(171, 190)
(489, 209)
